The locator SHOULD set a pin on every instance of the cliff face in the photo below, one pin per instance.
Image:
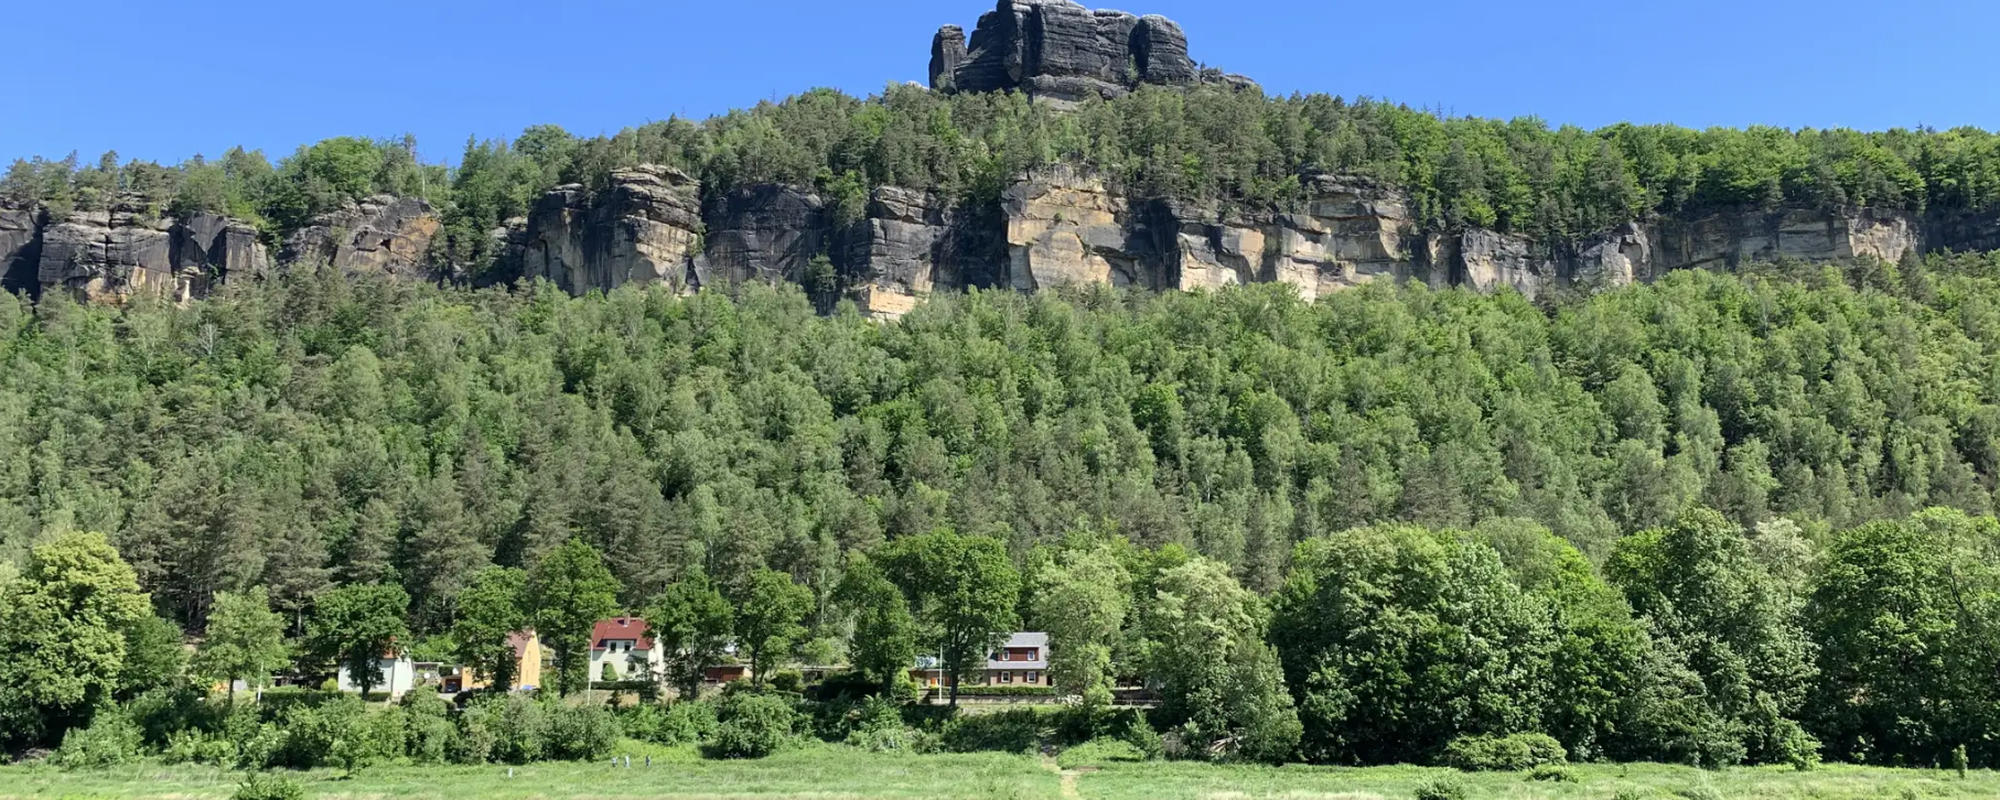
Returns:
(657, 226)
(646, 229)
(381, 234)
(114, 254)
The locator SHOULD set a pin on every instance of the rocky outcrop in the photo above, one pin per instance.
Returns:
(1059, 50)
(382, 234)
(20, 250)
(1068, 227)
(115, 254)
(767, 232)
(645, 229)
(900, 253)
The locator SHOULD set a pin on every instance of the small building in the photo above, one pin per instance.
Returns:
(622, 644)
(725, 673)
(1023, 660)
(397, 677)
(527, 649)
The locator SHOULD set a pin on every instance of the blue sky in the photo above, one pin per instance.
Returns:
(161, 80)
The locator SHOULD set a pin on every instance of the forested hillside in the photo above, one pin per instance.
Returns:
(318, 430)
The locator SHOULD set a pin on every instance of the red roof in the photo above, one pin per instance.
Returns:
(632, 629)
(518, 642)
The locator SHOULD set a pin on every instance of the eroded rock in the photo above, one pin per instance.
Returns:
(644, 229)
(382, 234)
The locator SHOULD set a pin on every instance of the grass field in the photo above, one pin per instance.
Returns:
(837, 773)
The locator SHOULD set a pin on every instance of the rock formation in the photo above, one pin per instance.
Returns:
(111, 255)
(1059, 226)
(767, 232)
(905, 249)
(646, 229)
(1059, 50)
(381, 234)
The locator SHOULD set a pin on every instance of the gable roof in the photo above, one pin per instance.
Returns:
(1039, 642)
(632, 629)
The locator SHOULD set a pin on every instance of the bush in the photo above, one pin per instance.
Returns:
(1551, 774)
(1511, 753)
(162, 714)
(428, 735)
(111, 739)
(685, 722)
(753, 726)
(1022, 730)
(523, 732)
(876, 725)
(581, 733)
(479, 733)
(260, 786)
(197, 747)
(1441, 789)
(1098, 752)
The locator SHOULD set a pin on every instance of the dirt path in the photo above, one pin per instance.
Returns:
(1069, 777)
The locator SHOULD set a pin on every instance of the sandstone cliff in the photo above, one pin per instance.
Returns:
(646, 229)
(382, 234)
(113, 254)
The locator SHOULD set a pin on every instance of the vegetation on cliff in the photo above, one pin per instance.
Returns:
(1207, 143)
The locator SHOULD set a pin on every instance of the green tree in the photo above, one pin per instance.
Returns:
(63, 627)
(884, 643)
(1082, 600)
(245, 640)
(1219, 679)
(963, 590)
(567, 593)
(767, 621)
(357, 626)
(155, 657)
(1718, 614)
(490, 614)
(1903, 615)
(691, 623)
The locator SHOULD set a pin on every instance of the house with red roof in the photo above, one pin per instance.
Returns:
(621, 651)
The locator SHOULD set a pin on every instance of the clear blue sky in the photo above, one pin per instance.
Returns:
(164, 80)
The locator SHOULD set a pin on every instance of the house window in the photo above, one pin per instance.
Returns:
(1028, 677)
(1006, 677)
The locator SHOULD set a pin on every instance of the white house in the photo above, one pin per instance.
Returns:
(398, 676)
(622, 644)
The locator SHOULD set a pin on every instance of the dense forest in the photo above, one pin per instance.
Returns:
(1717, 519)
(1212, 144)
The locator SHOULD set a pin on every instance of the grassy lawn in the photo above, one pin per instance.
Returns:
(805, 774)
(1179, 781)
(837, 773)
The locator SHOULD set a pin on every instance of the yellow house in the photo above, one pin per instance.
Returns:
(527, 664)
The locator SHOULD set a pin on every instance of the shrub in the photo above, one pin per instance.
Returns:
(789, 681)
(685, 722)
(197, 747)
(479, 733)
(1511, 753)
(752, 726)
(260, 786)
(1098, 752)
(111, 739)
(1441, 789)
(1021, 730)
(164, 713)
(1551, 774)
(523, 732)
(428, 733)
(581, 733)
